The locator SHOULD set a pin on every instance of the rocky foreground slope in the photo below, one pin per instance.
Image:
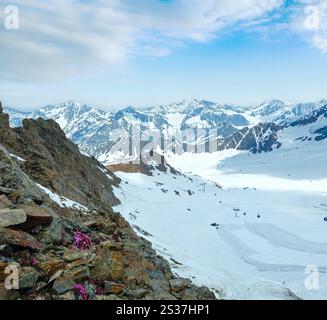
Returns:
(57, 226)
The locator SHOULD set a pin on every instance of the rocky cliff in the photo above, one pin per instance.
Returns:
(58, 228)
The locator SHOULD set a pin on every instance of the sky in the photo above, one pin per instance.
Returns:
(116, 53)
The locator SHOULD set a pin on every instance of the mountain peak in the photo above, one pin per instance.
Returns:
(276, 102)
(70, 103)
(269, 107)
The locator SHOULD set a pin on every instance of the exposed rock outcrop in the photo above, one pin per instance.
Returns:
(260, 138)
(12, 217)
(4, 118)
(56, 163)
(61, 252)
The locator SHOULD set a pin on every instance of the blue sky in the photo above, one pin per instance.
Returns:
(120, 52)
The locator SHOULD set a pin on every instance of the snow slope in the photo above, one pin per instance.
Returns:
(62, 201)
(245, 257)
(298, 165)
(261, 251)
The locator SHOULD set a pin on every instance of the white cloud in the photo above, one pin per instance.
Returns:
(59, 38)
(310, 21)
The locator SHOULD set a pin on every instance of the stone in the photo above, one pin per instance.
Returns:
(71, 255)
(69, 278)
(62, 285)
(78, 263)
(6, 191)
(188, 294)
(136, 272)
(3, 266)
(165, 296)
(179, 294)
(108, 264)
(19, 238)
(8, 294)
(203, 293)
(66, 296)
(78, 274)
(56, 275)
(23, 257)
(16, 196)
(111, 245)
(113, 287)
(36, 216)
(109, 228)
(159, 286)
(40, 285)
(28, 277)
(12, 217)
(51, 266)
(116, 264)
(5, 202)
(157, 274)
(90, 223)
(4, 119)
(179, 284)
(140, 293)
(109, 297)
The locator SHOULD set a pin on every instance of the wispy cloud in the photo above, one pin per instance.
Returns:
(59, 38)
(310, 21)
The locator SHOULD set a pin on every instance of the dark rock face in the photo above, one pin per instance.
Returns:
(56, 163)
(36, 216)
(321, 134)
(261, 138)
(311, 118)
(47, 243)
(19, 238)
(4, 118)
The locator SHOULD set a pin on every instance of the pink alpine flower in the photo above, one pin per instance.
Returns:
(81, 291)
(82, 241)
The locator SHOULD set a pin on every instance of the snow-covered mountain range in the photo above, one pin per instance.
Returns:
(254, 129)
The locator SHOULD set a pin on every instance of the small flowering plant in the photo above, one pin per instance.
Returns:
(82, 241)
(89, 289)
(80, 291)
